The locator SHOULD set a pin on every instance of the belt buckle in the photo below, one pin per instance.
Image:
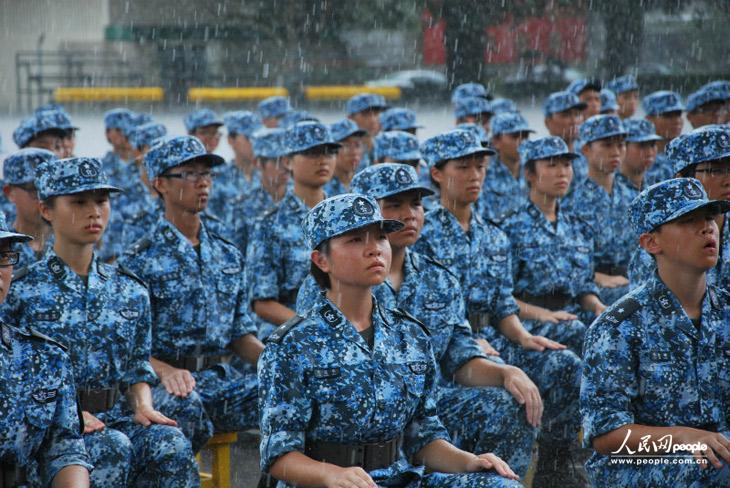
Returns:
(199, 363)
(357, 456)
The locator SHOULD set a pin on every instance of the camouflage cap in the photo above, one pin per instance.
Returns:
(477, 130)
(388, 179)
(269, 143)
(662, 102)
(306, 135)
(274, 107)
(545, 148)
(601, 127)
(398, 119)
(503, 105)
(669, 200)
(345, 128)
(119, 118)
(560, 102)
(469, 90)
(509, 123)
(708, 143)
(711, 92)
(176, 151)
(365, 101)
(340, 214)
(241, 122)
(397, 145)
(146, 135)
(5, 232)
(201, 118)
(70, 176)
(294, 117)
(579, 86)
(57, 115)
(33, 126)
(623, 84)
(454, 144)
(19, 167)
(464, 107)
(608, 101)
(640, 130)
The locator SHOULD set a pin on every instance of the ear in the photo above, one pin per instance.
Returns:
(7, 191)
(159, 185)
(321, 261)
(586, 149)
(437, 175)
(45, 211)
(649, 242)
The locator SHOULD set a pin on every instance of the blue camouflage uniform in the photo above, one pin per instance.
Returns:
(647, 363)
(657, 103)
(39, 431)
(502, 192)
(124, 120)
(230, 182)
(198, 305)
(552, 263)
(19, 169)
(503, 105)
(708, 143)
(39, 122)
(399, 119)
(560, 102)
(277, 257)
(105, 318)
(360, 103)
(322, 383)
(341, 130)
(605, 213)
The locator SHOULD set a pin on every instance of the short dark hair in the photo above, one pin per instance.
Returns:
(688, 171)
(322, 278)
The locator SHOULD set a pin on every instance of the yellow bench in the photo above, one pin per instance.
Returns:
(233, 94)
(344, 92)
(109, 94)
(220, 447)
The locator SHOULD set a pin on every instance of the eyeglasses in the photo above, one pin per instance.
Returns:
(9, 258)
(192, 176)
(715, 172)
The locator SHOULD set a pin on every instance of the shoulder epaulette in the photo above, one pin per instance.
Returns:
(34, 334)
(270, 211)
(127, 272)
(505, 216)
(284, 329)
(439, 264)
(406, 315)
(140, 245)
(21, 273)
(218, 236)
(622, 310)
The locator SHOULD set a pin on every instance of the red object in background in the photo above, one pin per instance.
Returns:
(563, 38)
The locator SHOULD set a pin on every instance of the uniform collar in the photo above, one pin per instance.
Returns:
(63, 274)
(174, 239)
(668, 305)
(291, 203)
(448, 220)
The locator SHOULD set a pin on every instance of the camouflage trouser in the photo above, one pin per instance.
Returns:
(224, 400)
(557, 375)
(567, 332)
(128, 454)
(603, 473)
(487, 419)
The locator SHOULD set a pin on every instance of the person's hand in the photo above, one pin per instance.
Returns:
(91, 423)
(146, 416)
(487, 347)
(354, 477)
(525, 392)
(546, 315)
(178, 382)
(487, 461)
(540, 343)
(718, 446)
(610, 281)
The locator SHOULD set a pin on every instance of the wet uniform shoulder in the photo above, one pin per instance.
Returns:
(280, 332)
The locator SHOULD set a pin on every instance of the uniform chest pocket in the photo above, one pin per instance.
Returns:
(40, 405)
(497, 265)
(580, 254)
(327, 385)
(169, 285)
(227, 286)
(663, 371)
(414, 378)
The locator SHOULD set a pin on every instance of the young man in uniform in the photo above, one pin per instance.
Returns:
(117, 123)
(627, 95)
(365, 109)
(655, 373)
(709, 105)
(641, 151)
(272, 109)
(588, 91)
(664, 110)
(205, 125)
(399, 119)
(563, 116)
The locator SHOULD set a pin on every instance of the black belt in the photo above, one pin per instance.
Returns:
(553, 301)
(195, 363)
(11, 475)
(480, 320)
(612, 270)
(368, 456)
(99, 400)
